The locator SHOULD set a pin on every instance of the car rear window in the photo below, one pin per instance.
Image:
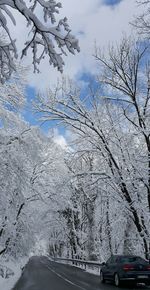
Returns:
(131, 260)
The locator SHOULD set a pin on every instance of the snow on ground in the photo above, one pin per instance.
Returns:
(7, 283)
(89, 268)
(93, 271)
(12, 272)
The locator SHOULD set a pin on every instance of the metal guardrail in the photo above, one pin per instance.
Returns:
(78, 262)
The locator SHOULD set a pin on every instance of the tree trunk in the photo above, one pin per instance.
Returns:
(91, 236)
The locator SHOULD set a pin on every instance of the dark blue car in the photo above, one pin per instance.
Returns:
(119, 269)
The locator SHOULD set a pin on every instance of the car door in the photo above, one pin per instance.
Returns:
(109, 268)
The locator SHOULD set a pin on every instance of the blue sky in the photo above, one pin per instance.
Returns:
(32, 117)
(28, 113)
(111, 2)
(98, 23)
(102, 21)
(85, 79)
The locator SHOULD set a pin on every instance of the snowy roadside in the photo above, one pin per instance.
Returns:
(11, 272)
(89, 268)
(93, 271)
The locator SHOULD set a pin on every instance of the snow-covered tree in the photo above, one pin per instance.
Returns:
(12, 95)
(83, 200)
(47, 35)
(40, 190)
(142, 21)
(116, 128)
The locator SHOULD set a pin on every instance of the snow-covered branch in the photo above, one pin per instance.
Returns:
(46, 37)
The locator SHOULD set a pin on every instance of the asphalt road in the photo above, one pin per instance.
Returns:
(42, 274)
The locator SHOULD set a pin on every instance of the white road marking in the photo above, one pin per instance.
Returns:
(65, 279)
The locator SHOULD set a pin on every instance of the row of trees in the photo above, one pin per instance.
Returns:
(111, 155)
(94, 198)
(32, 175)
(32, 185)
(110, 162)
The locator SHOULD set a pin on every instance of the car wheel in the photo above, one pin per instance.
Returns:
(102, 277)
(117, 280)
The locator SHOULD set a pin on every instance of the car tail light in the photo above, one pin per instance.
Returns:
(128, 267)
(148, 267)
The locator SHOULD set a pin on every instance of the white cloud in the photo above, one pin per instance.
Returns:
(58, 138)
(91, 21)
